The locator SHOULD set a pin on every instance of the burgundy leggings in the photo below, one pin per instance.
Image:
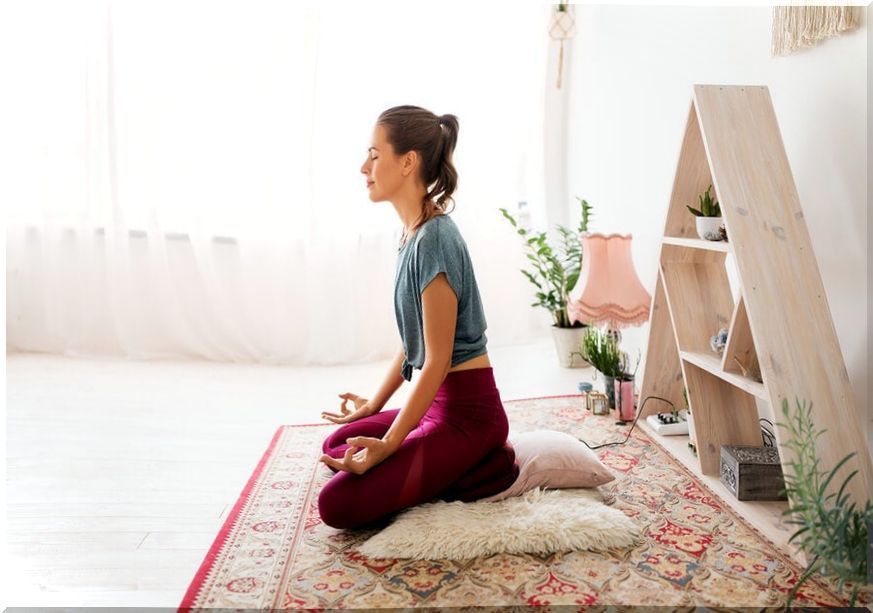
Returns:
(458, 451)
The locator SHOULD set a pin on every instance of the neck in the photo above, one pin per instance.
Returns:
(408, 206)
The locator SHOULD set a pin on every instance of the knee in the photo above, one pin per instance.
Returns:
(334, 440)
(335, 507)
(502, 431)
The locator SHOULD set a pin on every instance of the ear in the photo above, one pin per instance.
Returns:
(410, 162)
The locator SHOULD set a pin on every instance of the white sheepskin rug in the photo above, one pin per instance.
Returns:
(539, 521)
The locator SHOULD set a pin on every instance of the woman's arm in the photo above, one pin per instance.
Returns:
(439, 306)
(393, 380)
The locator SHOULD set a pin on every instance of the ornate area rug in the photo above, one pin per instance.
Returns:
(274, 553)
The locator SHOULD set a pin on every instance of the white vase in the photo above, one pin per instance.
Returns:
(709, 228)
(568, 345)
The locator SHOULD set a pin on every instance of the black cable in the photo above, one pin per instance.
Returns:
(639, 412)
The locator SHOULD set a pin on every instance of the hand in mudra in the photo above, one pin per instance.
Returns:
(363, 408)
(364, 453)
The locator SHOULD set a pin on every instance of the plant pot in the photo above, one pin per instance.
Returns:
(568, 342)
(625, 402)
(710, 228)
(610, 389)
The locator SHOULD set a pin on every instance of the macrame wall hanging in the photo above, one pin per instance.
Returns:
(804, 26)
(563, 27)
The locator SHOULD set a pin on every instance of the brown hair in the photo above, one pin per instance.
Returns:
(412, 128)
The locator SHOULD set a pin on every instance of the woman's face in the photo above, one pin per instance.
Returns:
(385, 171)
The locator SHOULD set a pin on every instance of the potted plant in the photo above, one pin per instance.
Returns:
(555, 272)
(834, 533)
(601, 350)
(710, 225)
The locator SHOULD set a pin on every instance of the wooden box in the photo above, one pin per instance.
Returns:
(752, 473)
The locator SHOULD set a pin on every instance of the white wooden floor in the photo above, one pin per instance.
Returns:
(120, 473)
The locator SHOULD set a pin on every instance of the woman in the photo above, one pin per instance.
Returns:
(449, 441)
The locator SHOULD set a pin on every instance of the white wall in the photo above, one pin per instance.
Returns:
(632, 72)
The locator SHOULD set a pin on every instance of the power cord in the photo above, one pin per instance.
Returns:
(639, 412)
(766, 435)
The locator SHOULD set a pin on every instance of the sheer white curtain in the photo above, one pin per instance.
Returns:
(183, 178)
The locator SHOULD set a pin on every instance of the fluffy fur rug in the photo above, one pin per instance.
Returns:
(539, 521)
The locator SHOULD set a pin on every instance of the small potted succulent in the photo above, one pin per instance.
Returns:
(710, 225)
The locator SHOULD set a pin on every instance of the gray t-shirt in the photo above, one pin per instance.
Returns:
(437, 246)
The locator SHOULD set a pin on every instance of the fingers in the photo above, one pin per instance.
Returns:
(344, 464)
(346, 397)
(335, 418)
(363, 441)
(332, 462)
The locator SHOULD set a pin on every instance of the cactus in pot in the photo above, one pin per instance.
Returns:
(710, 225)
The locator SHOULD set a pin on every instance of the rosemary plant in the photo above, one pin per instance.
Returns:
(833, 534)
(602, 352)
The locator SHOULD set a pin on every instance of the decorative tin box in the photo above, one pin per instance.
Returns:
(752, 473)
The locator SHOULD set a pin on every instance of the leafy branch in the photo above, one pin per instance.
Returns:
(834, 535)
(554, 272)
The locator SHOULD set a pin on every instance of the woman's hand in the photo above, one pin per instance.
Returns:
(363, 408)
(363, 454)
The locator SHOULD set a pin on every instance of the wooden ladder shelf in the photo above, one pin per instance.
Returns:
(780, 328)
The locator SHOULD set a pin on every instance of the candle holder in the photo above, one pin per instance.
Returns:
(597, 403)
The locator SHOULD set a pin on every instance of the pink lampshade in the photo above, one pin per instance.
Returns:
(609, 290)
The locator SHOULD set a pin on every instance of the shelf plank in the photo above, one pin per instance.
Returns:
(724, 414)
(662, 375)
(712, 365)
(692, 178)
(699, 297)
(788, 311)
(697, 243)
(740, 346)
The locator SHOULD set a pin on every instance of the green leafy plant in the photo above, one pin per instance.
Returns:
(708, 206)
(834, 534)
(601, 351)
(554, 272)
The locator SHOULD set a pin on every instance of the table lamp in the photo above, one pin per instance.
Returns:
(610, 292)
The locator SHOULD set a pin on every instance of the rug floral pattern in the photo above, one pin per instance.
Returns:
(274, 552)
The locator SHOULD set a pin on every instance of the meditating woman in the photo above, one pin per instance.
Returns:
(449, 441)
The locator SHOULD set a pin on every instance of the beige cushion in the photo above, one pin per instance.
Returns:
(552, 459)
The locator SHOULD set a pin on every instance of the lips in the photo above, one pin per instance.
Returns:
(370, 183)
